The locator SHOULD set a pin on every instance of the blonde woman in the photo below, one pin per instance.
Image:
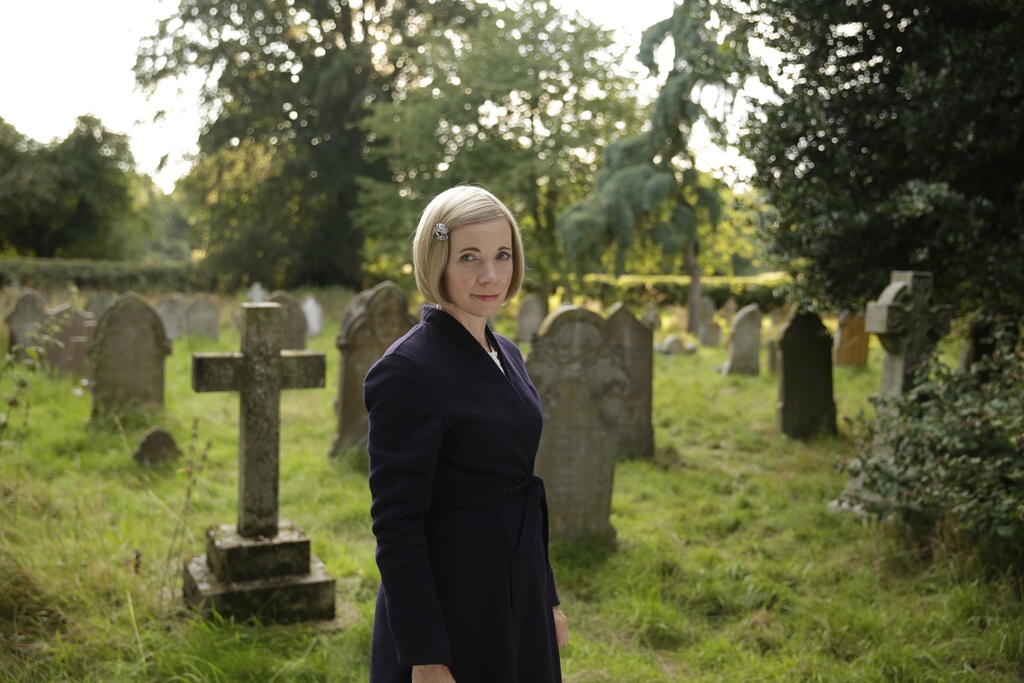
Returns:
(467, 592)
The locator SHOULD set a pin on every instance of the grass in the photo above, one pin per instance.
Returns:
(728, 566)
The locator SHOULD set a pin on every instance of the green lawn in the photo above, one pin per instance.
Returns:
(728, 566)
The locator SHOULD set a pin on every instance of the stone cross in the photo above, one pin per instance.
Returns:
(908, 325)
(259, 373)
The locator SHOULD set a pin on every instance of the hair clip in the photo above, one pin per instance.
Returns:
(441, 232)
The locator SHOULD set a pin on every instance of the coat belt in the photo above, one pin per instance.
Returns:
(451, 496)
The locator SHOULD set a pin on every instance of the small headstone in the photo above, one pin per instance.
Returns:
(66, 349)
(674, 345)
(203, 318)
(710, 333)
(583, 386)
(375, 318)
(532, 311)
(745, 343)
(171, 310)
(314, 313)
(262, 566)
(909, 326)
(256, 293)
(652, 318)
(806, 404)
(99, 303)
(156, 448)
(851, 344)
(127, 355)
(293, 320)
(26, 324)
(634, 338)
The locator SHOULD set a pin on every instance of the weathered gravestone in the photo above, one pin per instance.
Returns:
(27, 322)
(708, 331)
(99, 303)
(314, 313)
(908, 325)
(66, 351)
(127, 355)
(293, 320)
(256, 293)
(374, 319)
(635, 340)
(806, 404)
(532, 311)
(584, 387)
(745, 343)
(171, 310)
(262, 566)
(851, 344)
(203, 318)
(673, 345)
(156, 447)
(773, 355)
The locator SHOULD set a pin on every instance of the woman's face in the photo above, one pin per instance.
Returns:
(479, 266)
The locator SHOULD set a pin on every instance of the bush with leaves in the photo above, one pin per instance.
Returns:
(949, 454)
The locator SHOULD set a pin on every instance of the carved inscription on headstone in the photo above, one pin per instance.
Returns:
(583, 386)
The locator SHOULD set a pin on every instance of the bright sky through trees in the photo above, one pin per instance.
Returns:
(55, 71)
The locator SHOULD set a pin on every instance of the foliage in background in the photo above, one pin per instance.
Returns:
(948, 456)
(649, 191)
(118, 276)
(76, 197)
(894, 142)
(520, 102)
(766, 290)
(287, 87)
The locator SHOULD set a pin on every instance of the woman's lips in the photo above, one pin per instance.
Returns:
(485, 297)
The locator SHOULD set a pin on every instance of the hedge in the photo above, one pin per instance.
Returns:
(765, 289)
(52, 273)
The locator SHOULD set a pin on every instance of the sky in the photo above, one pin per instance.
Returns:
(55, 71)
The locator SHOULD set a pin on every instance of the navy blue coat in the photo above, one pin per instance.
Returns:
(459, 516)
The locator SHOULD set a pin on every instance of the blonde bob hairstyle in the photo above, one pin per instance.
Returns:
(455, 207)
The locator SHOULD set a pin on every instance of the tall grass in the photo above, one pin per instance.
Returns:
(728, 565)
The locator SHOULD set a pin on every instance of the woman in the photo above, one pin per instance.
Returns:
(466, 591)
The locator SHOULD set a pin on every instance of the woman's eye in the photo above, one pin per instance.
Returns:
(504, 256)
(467, 257)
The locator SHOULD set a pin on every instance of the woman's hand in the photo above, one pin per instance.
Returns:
(431, 673)
(561, 627)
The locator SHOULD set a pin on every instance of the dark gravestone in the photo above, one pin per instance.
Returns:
(156, 448)
(806, 404)
(262, 567)
(583, 387)
(635, 340)
(127, 354)
(909, 326)
(293, 320)
(373, 321)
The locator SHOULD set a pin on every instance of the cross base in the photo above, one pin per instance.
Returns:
(275, 579)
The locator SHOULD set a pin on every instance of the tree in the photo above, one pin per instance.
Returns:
(894, 142)
(72, 198)
(648, 190)
(519, 102)
(287, 85)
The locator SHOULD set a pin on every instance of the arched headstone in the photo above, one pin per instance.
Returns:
(171, 310)
(127, 354)
(532, 311)
(156, 447)
(203, 318)
(26, 322)
(373, 321)
(806, 403)
(293, 320)
(314, 313)
(583, 386)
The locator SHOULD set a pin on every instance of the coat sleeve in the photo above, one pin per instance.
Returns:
(406, 428)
